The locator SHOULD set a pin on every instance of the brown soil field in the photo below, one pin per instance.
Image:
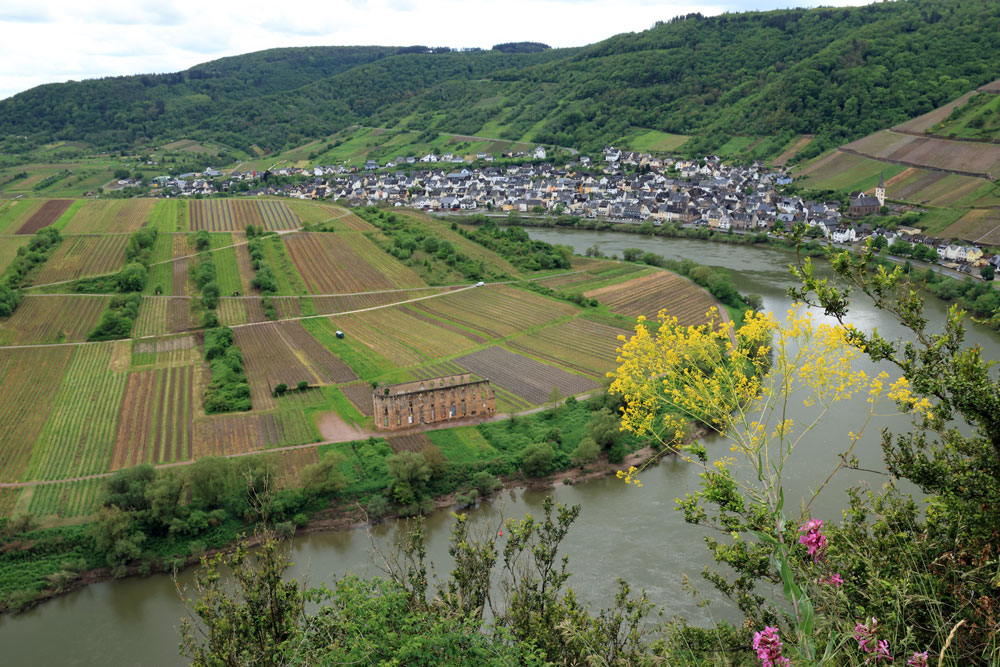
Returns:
(360, 395)
(333, 427)
(531, 380)
(790, 152)
(648, 294)
(413, 442)
(45, 216)
(993, 87)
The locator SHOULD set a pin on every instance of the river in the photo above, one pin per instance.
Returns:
(634, 534)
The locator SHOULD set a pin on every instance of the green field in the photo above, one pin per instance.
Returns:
(463, 445)
(641, 139)
(978, 118)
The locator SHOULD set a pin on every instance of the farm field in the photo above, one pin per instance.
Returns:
(412, 442)
(648, 294)
(81, 256)
(496, 311)
(52, 319)
(110, 216)
(931, 118)
(221, 435)
(464, 444)
(66, 500)
(581, 345)
(285, 352)
(797, 145)
(641, 139)
(402, 338)
(45, 215)
(843, 171)
(336, 263)
(169, 216)
(529, 379)
(227, 267)
(966, 156)
(332, 305)
(77, 437)
(13, 215)
(8, 249)
(155, 420)
(30, 380)
(164, 352)
(231, 215)
(980, 225)
(360, 396)
(365, 363)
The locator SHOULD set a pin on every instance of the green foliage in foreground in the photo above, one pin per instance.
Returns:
(229, 390)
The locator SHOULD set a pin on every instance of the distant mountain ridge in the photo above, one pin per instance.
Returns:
(839, 74)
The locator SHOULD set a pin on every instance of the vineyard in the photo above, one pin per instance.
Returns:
(332, 305)
(496, 311)
(52, 319)
(582, 345)
(66, 500)
(531, 380)
(414, 442)
(463, 445)
(48, 213)
(104, 216)
(76, 439)
(16, 212)
(385, 264)
(360, 396)
(31, 379)
(164, 352)
(224, 435)
(401, 338)
(84, 256)
(329, 265)
(230, 215)
(285, 353)
(154, 423)
(153, 316)
(648, 294)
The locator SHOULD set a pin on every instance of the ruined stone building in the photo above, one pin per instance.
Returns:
(409, 404)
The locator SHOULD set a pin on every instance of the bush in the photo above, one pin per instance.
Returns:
(202, 241)
(537, 459)
(585, 452)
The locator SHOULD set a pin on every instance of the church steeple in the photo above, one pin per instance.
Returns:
(880, 190)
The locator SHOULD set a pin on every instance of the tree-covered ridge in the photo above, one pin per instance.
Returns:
(836, 73)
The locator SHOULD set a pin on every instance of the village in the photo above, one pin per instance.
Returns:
(622, 187)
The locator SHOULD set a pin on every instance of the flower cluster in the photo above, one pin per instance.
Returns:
(768, 647)
(876, 650)
(630, 476)
(917, 660)
(813, 538)
(834, 580)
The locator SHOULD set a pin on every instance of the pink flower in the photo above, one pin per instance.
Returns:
(834, 580)
(875, 649)
(768, 647)
(813, 539)
(917, 660)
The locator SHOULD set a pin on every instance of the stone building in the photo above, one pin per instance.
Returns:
(409, 404)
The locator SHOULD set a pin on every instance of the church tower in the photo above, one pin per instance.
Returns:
(880, 190)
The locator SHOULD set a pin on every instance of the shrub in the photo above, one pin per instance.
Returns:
(537, 459)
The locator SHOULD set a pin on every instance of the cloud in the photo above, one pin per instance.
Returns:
(24, 13)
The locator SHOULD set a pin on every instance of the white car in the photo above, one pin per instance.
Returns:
(480, 283)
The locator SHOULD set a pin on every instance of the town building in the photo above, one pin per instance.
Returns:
(408, 404)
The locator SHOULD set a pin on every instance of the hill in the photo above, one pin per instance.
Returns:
(837, 74)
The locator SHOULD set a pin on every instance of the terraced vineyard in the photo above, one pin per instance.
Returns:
(45, 215)
(646, 295)
(105, 216)
(582, 345)
(14, 213)
(496, 311)
(223, 435)
(84, 256)
(76, 439)
(231, 215)
(52, 319)
(523, 377)
(67, 500)
(331, 265)
(155, 421)
(414, 442)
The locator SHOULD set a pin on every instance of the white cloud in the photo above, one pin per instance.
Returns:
(52, 40)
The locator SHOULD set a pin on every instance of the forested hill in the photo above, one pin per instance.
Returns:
(836, 73)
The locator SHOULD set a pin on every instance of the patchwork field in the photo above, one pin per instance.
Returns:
(965, 156)
(30, 380)
(581, 345)
(52, 319)
(284, 352)
(646, 295)
(523, 377)
(978, 226)
(109, 216)
(14, 213)
(230, 215)
(46, 214)
(337, 263)
(81, 256)
(155, 421)
(224, 435)
(496, 311)
(846, 172)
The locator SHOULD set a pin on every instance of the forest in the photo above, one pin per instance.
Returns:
(837, 73)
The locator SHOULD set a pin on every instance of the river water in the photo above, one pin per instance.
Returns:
(634, 534)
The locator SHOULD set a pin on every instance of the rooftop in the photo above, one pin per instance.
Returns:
(415, 386)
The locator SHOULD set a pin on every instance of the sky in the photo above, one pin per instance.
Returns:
(49, 41)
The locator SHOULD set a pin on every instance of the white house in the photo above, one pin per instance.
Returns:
(539, 152)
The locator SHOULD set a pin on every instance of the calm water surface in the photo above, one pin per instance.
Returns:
(622, 532)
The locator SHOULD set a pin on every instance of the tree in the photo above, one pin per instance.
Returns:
(116, 538)
(132, 278)
(987, 272)
(409, 474)
(202, 241)
(586, 452)
(537, 459)
(302, 385)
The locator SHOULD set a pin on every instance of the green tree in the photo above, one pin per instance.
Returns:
(132, 278)
(537, 459)
(987, 272)
(408, 475)
(586, 452)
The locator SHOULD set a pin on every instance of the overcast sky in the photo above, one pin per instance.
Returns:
(46, 41)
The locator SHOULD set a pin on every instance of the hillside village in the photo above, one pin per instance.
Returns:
(625, 187)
